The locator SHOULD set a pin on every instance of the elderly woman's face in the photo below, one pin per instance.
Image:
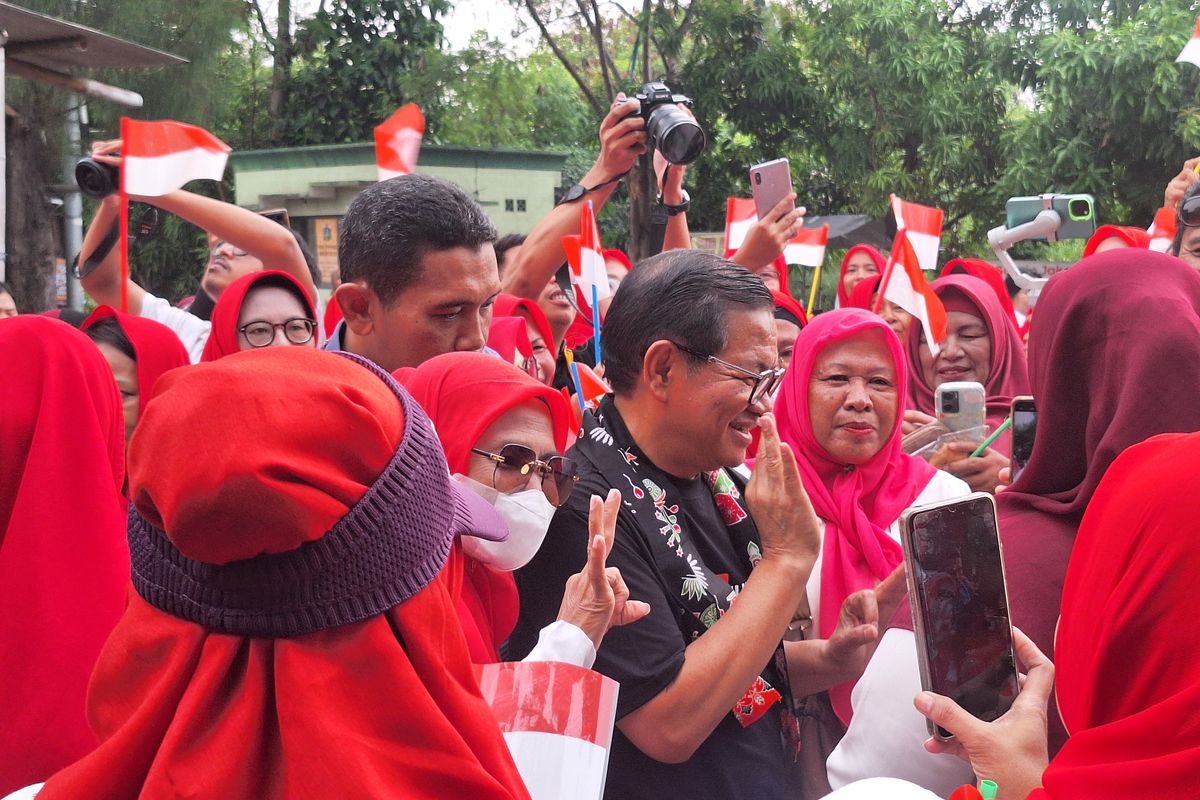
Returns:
(527, 424)
(966, 355)
(853, 397)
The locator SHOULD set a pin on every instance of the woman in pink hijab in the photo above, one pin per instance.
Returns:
(839, 409)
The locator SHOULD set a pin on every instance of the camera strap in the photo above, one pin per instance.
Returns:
(99, 254)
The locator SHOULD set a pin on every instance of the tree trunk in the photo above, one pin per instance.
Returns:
(31, 249)
(281, 69)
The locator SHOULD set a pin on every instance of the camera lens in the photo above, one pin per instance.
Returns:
(678, 137)
(950, 403)
(1079, 209)
(96, 180)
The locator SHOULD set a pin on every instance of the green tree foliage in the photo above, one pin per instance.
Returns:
(352, 65)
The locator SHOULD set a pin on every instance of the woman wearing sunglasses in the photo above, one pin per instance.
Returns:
(503, 432)
(262, 309)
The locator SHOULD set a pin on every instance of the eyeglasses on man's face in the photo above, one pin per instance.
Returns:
(762, 384)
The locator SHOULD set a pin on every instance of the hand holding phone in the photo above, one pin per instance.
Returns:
(770, 183)
(961, 405)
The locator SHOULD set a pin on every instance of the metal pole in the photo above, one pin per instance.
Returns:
(72, 201)
(3, 166)
(113, 94)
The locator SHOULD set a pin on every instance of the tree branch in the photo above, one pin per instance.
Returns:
(605, 58)
(597, 33)
(262, 21)
(566, 62)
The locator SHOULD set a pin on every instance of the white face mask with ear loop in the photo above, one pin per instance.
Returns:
(526, 513)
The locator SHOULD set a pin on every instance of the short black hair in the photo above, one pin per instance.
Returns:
(107, 330)
(1177, 242)
(310, 258)
(390, 226)
(505, 243)
(4, 289)
(680, 295)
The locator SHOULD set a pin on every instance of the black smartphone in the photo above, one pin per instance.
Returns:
(960, 605)
(1024, 426)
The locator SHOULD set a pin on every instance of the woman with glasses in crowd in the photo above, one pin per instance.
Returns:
(262, 309)
(503, 432)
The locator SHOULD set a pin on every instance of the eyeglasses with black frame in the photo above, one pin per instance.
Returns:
(514, 462)
(260, 333)
(1189, 212)
(764, 382)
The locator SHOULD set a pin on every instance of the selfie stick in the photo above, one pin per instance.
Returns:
(1045, 224)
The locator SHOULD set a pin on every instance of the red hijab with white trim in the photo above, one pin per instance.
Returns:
(64, 561)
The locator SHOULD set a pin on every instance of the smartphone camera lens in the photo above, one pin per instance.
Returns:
(950, 403)
(758, 178)
(1079, 209)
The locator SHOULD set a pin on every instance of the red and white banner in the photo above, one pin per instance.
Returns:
(594, 387)
(557, 720)
(398, 141)
(807, 247)
(585, 256)
(1162, 230)
(161, 156)
(906, 287)
(924, 226)
(740, 216)
(1191, 50)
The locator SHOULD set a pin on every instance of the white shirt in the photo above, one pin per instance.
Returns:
(190, 329)
(943, 486)
(564, 642)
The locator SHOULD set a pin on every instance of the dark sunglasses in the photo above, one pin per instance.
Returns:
(1189, 212)
(514, 462)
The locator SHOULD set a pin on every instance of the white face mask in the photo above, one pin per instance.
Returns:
(527, 515)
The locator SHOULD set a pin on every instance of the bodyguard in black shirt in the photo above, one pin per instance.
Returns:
(708, 686)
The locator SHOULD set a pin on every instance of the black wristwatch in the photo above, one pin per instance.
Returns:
(674, 211)
(577, 191)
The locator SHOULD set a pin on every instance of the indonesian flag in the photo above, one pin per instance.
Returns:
(586, 259)
(557, 720)
(161, 156)
(593, 386)
(740, 216)
(924, 226)
(1191, 50)
(906, 287)
(1162, 230)
(807, 247)
(398, 141)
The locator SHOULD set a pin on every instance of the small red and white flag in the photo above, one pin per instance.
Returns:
(398, 141)
(557, 720)
(1162, 230)
(161, 156)
(594, 387)
(924, 226)
(1191, 50)
(740, 216)
(905, 285)
(586, 259)
(807, 247)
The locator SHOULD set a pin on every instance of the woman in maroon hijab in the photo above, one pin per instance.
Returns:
(982, 346)
(1104, 380)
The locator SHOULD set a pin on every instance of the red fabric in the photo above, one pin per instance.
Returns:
(64, 562)
(158, 348)
(333, 315)
(464, 393)
(781, 269)
(863, 293)
(579, 332)
(1104, 380)
(786, 302)
(509, 336)
(1009, 374)
(223, 340)
(617, 255)
(508, 305)
(859, 505)
(1128, 662)
(990, 275)
(876, 256)
(385, 707)
(1132, 237)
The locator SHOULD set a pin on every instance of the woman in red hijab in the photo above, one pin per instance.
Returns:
(839, 409)
(990, 275)
(981, 346)
(262, 309)
(861, 261)
(489, 416)
(139, 351)
(64, 563)
(896, 317)
(541, 336)
(790, 319)
(1115, 237)
(288, 633)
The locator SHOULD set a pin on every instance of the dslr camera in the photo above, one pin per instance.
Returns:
(96, 180)
(676, 135)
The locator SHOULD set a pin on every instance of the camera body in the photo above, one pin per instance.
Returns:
(95, 179)
(674, 133)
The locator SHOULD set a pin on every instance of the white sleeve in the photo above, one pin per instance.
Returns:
(878, 788)
(28, 793)
(190, 329)
(562, 641)
(887, 734)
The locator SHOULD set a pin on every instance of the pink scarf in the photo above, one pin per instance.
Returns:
(857, 505)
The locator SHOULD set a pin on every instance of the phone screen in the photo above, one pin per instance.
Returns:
(1023, 429)
(956, 568)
